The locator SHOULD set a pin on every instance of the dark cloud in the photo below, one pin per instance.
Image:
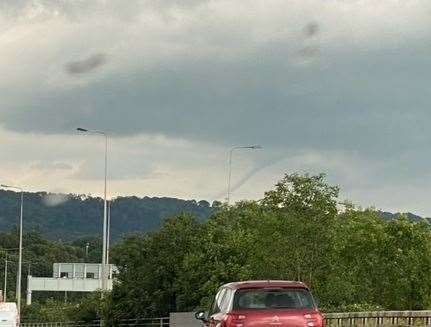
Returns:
(86, 65)
(357, 97)
(326, 79)
(358, 101)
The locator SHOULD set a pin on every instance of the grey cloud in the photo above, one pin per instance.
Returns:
(225, 88)
(79, 10)
(368, 102)
(120, 168)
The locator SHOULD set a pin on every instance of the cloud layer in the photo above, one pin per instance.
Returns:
(304, 78)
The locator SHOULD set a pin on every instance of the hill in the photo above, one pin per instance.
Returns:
(69, 217)
(390, 216)
(72, 217)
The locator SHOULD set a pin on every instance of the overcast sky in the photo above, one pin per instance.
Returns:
(334, 86)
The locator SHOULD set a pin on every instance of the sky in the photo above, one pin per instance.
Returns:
(334, 86)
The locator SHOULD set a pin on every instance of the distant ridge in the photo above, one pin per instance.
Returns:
(409, 215)
(69, 217)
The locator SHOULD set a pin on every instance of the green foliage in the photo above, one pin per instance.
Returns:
(69, 217)
(89, 309)
(50, 311)
(149, 269)
(38, 256)
(352, 258)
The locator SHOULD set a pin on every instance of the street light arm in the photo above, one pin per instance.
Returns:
(90, 131)
(253, 147)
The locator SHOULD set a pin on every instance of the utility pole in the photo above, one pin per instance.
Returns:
(86, 251)
(108, 234)
(5, 279)
(105, 205)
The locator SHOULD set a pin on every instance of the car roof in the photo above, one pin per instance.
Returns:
(266, 284)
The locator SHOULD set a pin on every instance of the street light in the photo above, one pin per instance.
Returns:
(108, 233)
(18, 279)
(5, 279)
(251, 147)
(86, 251)
(105, 216)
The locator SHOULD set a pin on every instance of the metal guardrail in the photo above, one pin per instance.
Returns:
(61, 324)
(368, 319)
(148, 322)
(159, 322)
(379, 318)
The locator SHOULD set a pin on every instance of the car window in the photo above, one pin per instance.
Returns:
(226, 300)
(216, 307)
(261, 299)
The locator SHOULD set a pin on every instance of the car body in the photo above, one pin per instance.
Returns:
(268, 303)
(9, 316)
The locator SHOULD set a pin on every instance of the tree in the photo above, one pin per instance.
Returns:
(149, 268)
(306, 209)
(352, 258)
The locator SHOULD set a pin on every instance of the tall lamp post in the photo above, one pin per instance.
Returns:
(18, 279)
(105, 206)
(108, 232)
(86, 251)
(250, 147)
(5, 280)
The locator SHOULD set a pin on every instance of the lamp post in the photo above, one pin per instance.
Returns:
(108, 232)
(105, 215)
(18, 279)
(250, 147)
(86, 251)
(5, 280)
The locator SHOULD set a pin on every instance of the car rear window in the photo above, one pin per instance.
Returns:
(273, 298)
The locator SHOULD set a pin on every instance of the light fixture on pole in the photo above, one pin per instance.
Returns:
(250, 147)
(105, 215)
(18, 279)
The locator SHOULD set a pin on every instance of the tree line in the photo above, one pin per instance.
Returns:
(300, 230)
(350, 257)
(67, 217)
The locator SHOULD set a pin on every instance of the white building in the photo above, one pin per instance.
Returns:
(71, 277)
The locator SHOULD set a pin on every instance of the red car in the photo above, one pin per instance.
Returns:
(263, 304)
